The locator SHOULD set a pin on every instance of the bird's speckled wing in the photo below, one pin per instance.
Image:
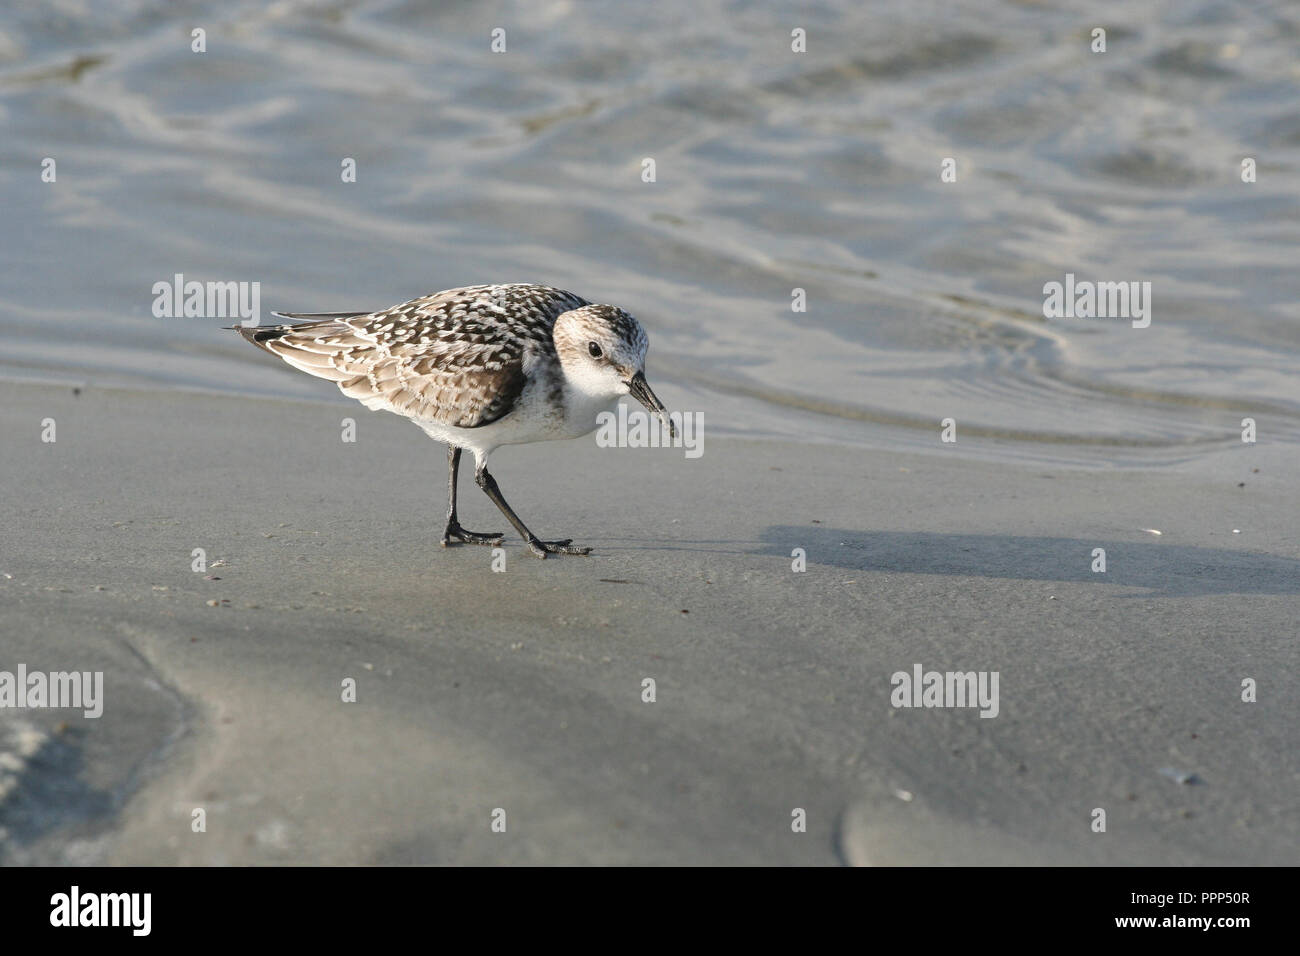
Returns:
(454, 357)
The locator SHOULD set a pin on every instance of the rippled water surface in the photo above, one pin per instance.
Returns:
(775, 170)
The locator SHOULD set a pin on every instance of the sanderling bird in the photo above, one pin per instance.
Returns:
(477, 368)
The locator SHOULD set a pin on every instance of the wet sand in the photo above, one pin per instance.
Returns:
(523, 690)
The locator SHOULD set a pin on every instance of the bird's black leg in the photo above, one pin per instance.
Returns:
(453, 531)
(535, 544)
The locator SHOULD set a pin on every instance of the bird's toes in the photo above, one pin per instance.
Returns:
(461, 536)
(564, 546)
(483, 537)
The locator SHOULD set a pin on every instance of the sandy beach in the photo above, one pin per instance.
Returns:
(523, 690)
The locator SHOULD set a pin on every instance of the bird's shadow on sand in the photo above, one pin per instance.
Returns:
(1163, 567)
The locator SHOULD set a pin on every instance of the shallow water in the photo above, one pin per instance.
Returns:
(775, 170)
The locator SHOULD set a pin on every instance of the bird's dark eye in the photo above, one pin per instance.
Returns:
(594, 349)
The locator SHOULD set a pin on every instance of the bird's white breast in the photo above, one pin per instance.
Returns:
(549, 409)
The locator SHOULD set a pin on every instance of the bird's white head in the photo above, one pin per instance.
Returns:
(602, 350)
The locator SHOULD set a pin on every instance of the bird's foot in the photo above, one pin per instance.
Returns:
(543, 548)
(455, 532)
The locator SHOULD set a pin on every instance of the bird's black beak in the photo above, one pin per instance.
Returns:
(639, 389)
